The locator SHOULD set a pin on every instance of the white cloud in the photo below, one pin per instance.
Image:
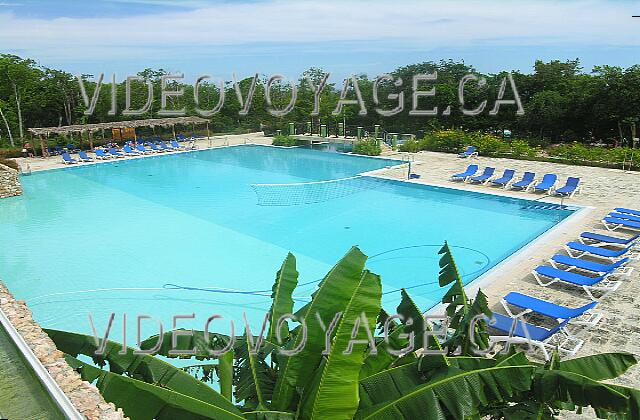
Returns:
(396, 25)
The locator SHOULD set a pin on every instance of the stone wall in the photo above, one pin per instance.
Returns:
(84, 396)
(9, 182)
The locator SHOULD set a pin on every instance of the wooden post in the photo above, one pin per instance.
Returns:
(43, 146)
(173, 129)
(90, 140)
(208, 135)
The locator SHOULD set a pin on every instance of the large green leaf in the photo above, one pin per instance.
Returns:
(632, 411)
(254, 378)
(225, 374)
(269, 415)
(140, 366)
(335, 395)
(461, 311)
(286, 282)
(195, 341)
(143, 401)
(600, 366)
(402, 394)
(556, 385)
(331, 297)
(410, 311)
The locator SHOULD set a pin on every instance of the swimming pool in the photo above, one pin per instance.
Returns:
(107, 238)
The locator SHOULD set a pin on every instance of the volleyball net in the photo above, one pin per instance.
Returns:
(312, 192)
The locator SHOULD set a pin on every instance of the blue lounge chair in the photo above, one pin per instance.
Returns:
(471, 151)
(619, 268)
(526, 181)
(115, 153)
(627, 211)
(162, 145)
(140, 148)
(624, 216)
(471, 170)
(83, 157)
(606, 239)
(181, 137)
(484, 177)
(613, 223)
(601, 283)
(177, 145)
(570, 188)
(506, 179)
(581, 249)
(155, 148)
(68, 160)
(544, 339)
(577, 316)
(129, 151)
(100, 154)
(547, 183)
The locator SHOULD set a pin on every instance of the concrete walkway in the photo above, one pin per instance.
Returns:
(619, 330)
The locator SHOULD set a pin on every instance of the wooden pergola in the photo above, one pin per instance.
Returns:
(43, 132)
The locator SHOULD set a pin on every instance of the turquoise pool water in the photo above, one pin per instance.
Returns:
(80, 239)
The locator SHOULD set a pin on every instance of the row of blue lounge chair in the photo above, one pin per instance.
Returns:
(470, 152)
(593, 276)
(70, 148)
(526, 183)
(128, 150)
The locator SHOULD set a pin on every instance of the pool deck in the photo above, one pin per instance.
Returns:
(619, 330)
(54, 162)
(604, 189)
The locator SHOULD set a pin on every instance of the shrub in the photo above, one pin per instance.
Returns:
(10, 163)
(411, 146)
(369, 147)
(11, 152)
(521, 148)
(444, 141)
(285, 141)
(490, 145)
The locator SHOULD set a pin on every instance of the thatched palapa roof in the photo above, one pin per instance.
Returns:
(81, 128)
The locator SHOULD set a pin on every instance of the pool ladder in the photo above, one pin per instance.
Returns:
(547, 206)
(25, 169)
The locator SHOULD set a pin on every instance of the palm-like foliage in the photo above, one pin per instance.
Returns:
(371, 381)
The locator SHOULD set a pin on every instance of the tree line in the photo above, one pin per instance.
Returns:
(562, 102)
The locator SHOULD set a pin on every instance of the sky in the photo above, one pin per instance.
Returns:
(343, 37)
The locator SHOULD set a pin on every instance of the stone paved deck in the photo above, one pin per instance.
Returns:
(619, 330)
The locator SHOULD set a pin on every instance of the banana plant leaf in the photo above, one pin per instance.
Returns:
(574, 384)
(556, 385)
(286, 282)
(334, 393)
(331, 297)
(269, 415)
(143, 401)
(601, 366)
(409, 310)
(195, 341)
(401, 393)
(254, 378)
(140, 366)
